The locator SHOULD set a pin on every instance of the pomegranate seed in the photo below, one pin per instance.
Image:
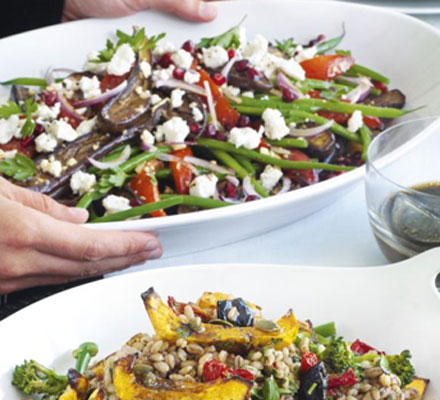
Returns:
(231, 190)
(221, 136)
(189, 46)
(165, 61)
(253, 74)
(49, 98)
(178, 73)
(210, 131)
(251, 198)
(241, 65)
(255, 125)
(244, 121)
(288, 95)
(135, 203)
(320, 38)
(25, 142)
(219, 79)
(231, 53)
(38, 129)
(194, 127)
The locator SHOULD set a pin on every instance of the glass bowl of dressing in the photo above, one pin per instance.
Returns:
(403, 188)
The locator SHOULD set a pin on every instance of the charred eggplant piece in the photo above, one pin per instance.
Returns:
(244, 315)
(246, 80)
(131, 106)
(313, 384)
(394, 98)
(21, 93)
(323, 145)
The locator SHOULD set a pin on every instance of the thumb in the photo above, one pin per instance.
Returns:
(46, 205)
(194, 10)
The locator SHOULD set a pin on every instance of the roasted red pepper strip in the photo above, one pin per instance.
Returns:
(381, 86)
(145, 188)
(111, 81)
(15, 144)
(361, 348)
(327, 66)
(216, 369)
(182, 174)
(226, 114)
(179, 308)
(243, 373)
(345, 380)
(341, 118)
(308, 176)
(308, 360)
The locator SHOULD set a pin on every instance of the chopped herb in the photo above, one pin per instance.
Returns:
(226, 345)
(20, 167)
(228, 39)
(113, 178)
(183, 331)
(29, 126)
(271, 391)
(286, 46)
(10, 108)
(154, 39)
(312, 388)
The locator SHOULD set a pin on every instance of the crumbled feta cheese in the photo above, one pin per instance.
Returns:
(174, 130)
(305, 54)
(291, 68)
(155, 99)
(146, 69)
(197, 114)
(147, 138)
(274, 124)
(61, 130)
(143, 94)
(52, 167)
(82, 182)
(182, 58)
(177, 98)
(355, 122)
(162, 48)
(191, 76)
(114, 204)
(256, 50)
(70, 86)
(163, 74)
(270, 177)
(45, 143)
(231, 91)
(9, 128)
(159, 133)
(86, 126)
(45, 112)
(203, 186)
(91, 87)
(122, 60)
(245, 137)
(265, 97)
(6, 155)
(71, 162)
(97, 68)
(249, 93)
(215, 56)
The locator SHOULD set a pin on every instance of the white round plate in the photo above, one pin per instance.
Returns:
(414, 7)
(393, 308)
(376, 37)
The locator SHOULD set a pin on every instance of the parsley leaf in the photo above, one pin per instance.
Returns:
(20, 167)
(286, 46)
(29, 126)
(113, 178)
(106, 54)
(228, 39)
(154, 39)
(10, 108)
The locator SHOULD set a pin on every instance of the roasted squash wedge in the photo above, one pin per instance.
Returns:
(419, 384)
(168, 327)
(128, 388)
(208, 301)
(78, 388)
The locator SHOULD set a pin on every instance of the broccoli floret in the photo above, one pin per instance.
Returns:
(400, 365)
(34, 378)
(338, 356)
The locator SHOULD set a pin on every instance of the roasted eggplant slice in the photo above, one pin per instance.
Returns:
(248, 81)
(323, 145)
(21, 93)
(313, 384)
(131, 106)
(394, 98)
(243, 316)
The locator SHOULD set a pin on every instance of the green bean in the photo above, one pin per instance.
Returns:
(26, 82)
(113, 155)
(366, 140)
(326, 330)
(164, 173)
(339, 106)
(231, 162)
(246, 164)
(374, 91)
(266, 159)
(359, 69)
(288, 143)
(323, 85)
(194, 201)
(330, 44)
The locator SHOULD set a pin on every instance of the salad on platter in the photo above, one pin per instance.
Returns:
(222, 347)
(147, 129)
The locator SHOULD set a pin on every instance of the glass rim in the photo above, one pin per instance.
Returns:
(370, 164)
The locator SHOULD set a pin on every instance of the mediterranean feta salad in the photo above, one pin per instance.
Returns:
(222, 348)
(149, 129)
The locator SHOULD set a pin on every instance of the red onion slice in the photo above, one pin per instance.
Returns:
(284, 83)
(51, 71)
(310, 132)
(147, 147)
(124, 156)
(360, 92)
(175, 83)
(170, 158)
(248, 189)
(218, 196)
(228, 66)
(234, 180)
(287, 183)
(68, 108)
(103, 98)
(208, 165)
(210, 101)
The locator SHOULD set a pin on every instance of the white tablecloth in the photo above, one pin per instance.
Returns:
(338, 235)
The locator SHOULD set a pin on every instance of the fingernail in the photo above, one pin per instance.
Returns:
(155, 253)
(207, 11)
(152, 245)
(80, 214)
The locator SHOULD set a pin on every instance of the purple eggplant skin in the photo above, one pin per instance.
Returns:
(245, 315)
(394, 99)
(129, 108)
(20, 94)
(242, 80)
(313, 384)
(322, 146)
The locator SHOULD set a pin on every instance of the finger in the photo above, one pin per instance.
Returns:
(46, 205)
(30, 263)
(12, 285)
(193, 10)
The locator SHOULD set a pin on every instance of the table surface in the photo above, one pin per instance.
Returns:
(338, 235)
